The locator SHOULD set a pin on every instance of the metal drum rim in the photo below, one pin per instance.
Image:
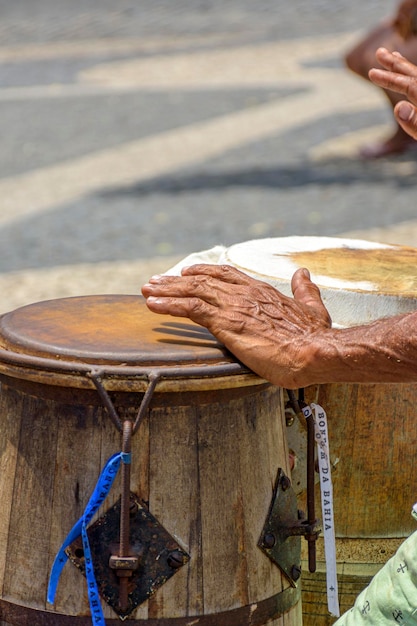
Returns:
(126, 377)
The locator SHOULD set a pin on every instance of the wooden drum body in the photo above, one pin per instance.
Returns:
(372, 428)
(204, 461)
(373, 442)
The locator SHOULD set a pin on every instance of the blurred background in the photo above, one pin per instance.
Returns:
(136, 132)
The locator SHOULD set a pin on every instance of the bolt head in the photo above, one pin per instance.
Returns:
(175, 559)
(295, 572)
(285, 483)
(269, 540)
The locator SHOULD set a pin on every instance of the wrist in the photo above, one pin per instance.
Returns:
(319, 359)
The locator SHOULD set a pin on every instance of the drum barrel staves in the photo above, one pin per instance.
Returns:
(204, 460)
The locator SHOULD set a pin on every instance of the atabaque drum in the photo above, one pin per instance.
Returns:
(182, 536)
(372, 432)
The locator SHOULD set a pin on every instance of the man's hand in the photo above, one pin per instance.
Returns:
(399, 75)
(270, 333)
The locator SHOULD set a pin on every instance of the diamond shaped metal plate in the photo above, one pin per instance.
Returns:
(279, 539)
(159, 554)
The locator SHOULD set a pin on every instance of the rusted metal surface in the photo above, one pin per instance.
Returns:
(148, 542)
(293, 401)
(124, 556)
(256, 614)
(281, 535)
(128, 379)
(296, 403)
(111, 410)
(311, 536)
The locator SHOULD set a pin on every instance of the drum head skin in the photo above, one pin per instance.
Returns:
(117, 329)
(360, 281)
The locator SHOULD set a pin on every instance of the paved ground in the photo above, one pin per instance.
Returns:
(136, 133)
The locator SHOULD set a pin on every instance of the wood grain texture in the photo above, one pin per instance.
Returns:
(373, 443)
(207, 470)
(372, 437)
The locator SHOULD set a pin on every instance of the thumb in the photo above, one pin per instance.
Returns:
(406, 115)
(306, 292)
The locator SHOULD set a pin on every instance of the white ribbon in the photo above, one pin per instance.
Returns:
(326, 489)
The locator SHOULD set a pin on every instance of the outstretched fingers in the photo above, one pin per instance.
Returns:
(395, 62)
(193, 308)
(201, 286)
(397, 74)
(202, 293)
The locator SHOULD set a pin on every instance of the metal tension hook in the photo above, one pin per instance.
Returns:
(125, 562)
(311, 523)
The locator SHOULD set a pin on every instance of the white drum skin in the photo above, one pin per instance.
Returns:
(360, 281)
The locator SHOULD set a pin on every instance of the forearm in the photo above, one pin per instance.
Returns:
(384, 351)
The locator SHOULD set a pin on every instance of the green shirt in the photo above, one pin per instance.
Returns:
(391, 597)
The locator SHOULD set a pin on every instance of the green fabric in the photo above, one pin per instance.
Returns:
(391, 596)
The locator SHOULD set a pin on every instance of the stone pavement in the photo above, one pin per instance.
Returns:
(131, 140)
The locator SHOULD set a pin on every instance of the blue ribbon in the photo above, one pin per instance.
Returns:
(100, 493)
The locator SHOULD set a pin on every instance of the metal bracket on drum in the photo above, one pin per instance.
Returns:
(153, 557)
(133, 555)
(296, 404)
(280, 539)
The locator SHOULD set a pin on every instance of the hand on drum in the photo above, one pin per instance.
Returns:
(399, 75)
(269, 332)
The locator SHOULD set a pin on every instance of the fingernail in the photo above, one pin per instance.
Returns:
(155, 278)
(405, 111)
(306, 273)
